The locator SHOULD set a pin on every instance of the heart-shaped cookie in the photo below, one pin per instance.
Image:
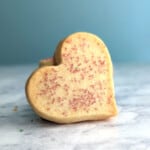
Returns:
(79, 87)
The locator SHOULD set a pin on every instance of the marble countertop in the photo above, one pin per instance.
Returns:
(22, 129)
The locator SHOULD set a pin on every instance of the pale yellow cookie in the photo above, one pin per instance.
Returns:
(80, 86)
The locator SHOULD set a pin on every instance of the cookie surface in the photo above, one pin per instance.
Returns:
(79, 87)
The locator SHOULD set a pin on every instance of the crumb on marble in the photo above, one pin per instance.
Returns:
(15, 109)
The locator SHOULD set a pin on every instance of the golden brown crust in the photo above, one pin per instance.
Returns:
(46, 62)
(57, 54)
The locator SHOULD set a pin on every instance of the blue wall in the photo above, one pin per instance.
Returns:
(30, 29)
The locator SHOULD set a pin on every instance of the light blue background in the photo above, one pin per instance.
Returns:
(30, 29)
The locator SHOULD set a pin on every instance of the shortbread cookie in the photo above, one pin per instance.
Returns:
(79, 87)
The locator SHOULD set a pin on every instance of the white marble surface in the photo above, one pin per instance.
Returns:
(22, 129)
